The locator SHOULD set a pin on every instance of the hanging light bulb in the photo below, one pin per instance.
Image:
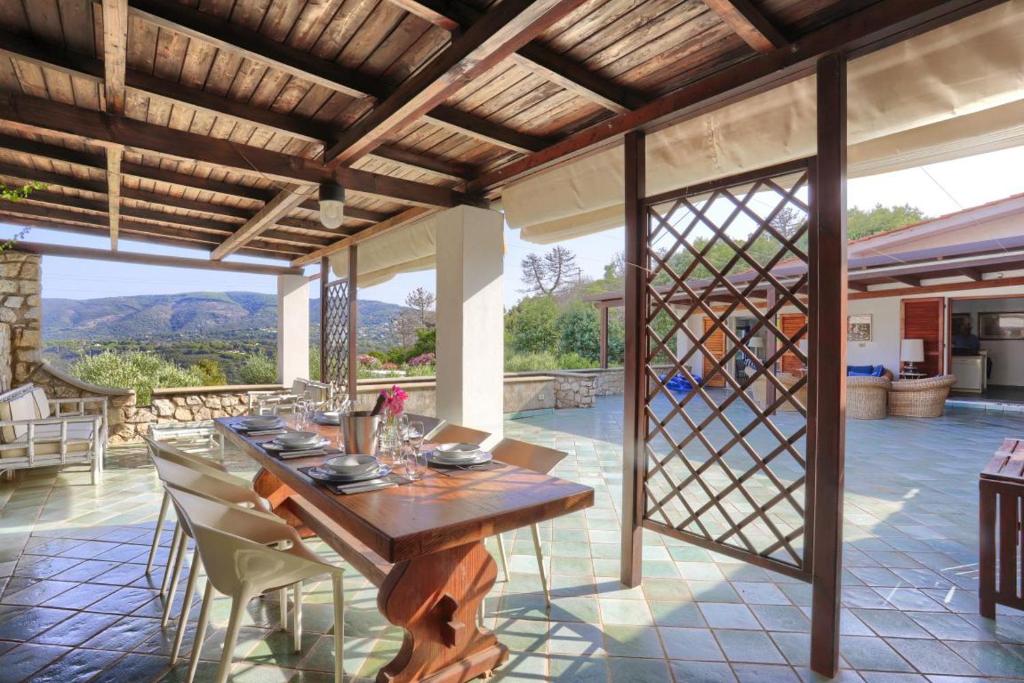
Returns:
(332, 205)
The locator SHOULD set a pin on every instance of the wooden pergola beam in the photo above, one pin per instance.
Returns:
(496, 35)
(872, 28)
(235, 39)
(153, 259)
(749, 23)
(58, 218)
(114, 154)
(534, 56)
(217, 230)
(115, 53)
(106, 129)
(286, 200)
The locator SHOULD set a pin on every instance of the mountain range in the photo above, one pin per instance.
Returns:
(209, 315)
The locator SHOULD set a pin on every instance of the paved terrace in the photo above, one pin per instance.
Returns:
(76, 606)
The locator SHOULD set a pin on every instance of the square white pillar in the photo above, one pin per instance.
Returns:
(292, 328)
(470, 318)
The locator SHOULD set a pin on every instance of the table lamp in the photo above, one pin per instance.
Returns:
(912, 351)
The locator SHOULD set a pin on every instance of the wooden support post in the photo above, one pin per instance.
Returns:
(325, 276)
(771, 347)
(633, 450)
(602, 312)
(828, 363)
(353, 322)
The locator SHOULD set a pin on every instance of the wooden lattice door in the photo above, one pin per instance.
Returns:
(723, 469)
(335, 338)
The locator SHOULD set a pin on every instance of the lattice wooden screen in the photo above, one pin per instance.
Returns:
(335, 337)
(725, 442)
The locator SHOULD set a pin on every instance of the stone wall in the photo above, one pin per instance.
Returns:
(575, 390)
(20, 317)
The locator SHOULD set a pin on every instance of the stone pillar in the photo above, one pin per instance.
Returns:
(292, 328)
(470, 318)
(20, 317)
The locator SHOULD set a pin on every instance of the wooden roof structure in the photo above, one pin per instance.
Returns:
(210, 123)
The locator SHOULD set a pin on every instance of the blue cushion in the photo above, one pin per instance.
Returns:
(878, 371)
(860, 370)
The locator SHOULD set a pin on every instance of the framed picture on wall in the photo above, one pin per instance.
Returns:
(957, 321)
(1005, 326)
(858, 327)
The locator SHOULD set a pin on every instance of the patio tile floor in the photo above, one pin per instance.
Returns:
(75, 604)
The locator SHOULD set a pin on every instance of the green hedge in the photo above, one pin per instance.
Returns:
(136, 370)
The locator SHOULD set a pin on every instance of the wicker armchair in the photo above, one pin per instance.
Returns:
(866, 397)
(920, 397)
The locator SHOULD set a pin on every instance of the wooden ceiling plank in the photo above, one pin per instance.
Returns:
(286, 200)
(436, 165)
(107, 129)
(749, 23)
(254, 46)
(496, 35)
(375, 231)
(876, 26)
(534, 56)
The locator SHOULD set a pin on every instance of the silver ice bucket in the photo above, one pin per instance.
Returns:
(359, 432)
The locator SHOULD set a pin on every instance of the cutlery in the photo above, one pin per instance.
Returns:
(267, 432)
(301, 454)
(362, 488)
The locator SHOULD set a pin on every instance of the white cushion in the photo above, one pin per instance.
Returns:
(21, 407)
(47, 441)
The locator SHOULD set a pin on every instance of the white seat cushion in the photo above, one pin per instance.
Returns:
(42, 403)
(47, 441)
(21, 407)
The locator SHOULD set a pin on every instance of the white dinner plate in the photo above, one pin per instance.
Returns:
(296, 439)
(351, 464)
(326, 475)
(262, 422)
(479, 458)
(275, 446)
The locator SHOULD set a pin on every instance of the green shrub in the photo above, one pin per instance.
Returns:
(314, 363)
(258, 369)
(211, 372)
(531, 362)
(530, 326)
(574, 361)
(579, 331)
(136, 370)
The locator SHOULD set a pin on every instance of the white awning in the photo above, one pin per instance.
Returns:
(953, 92)
(404, 249)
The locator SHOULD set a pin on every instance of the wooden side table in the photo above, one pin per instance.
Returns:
(1001, 488)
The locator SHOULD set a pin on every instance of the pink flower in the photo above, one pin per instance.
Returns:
(394, 400)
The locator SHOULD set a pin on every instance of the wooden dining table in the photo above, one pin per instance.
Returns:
(421, 543)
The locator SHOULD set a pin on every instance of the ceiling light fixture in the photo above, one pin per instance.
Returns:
(332, 205)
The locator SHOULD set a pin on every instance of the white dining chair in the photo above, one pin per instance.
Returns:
(208, 485)
(175, 454)
(539, 459)
(231, 545)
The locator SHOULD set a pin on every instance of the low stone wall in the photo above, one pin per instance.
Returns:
(521, 393)
(575, 390)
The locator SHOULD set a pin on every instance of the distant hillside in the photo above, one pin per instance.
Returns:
(208, 315)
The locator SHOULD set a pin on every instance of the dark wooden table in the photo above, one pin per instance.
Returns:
(422, 544)
(1001, 489)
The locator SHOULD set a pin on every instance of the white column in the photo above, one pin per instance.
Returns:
(292, 328)
(470, 318)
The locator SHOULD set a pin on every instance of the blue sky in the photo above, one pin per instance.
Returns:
(936, 189)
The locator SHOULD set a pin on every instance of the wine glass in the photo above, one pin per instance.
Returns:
(415, 458)
(403, 427)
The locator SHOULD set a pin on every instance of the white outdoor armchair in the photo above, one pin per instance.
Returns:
(36, 431)
(283, 401)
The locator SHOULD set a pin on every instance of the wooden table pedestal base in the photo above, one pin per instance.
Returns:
(435, 598)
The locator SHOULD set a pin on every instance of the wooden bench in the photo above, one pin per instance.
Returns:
(1001, 489)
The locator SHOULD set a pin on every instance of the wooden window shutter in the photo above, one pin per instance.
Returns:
(923, 319)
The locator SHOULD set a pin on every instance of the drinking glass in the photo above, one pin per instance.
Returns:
(403, 427)
(415, 459)
(301, 411)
